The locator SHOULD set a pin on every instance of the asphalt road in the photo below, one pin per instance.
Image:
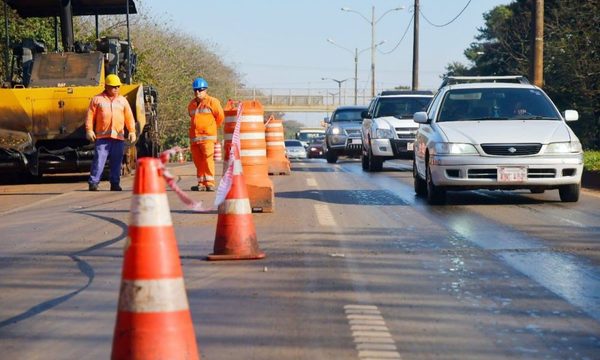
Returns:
(357, 267)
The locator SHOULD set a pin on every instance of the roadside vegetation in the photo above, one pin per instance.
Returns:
(591, 160)
(571, 53)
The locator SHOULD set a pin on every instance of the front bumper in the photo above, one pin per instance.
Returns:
(495, 172)
(343, 145)
(391, 147)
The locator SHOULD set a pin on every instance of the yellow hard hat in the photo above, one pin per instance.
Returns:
(112, 80)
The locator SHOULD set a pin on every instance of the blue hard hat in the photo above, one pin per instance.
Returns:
(199, 83)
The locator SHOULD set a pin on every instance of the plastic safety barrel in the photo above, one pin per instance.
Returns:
(274, 135)
(253, 149)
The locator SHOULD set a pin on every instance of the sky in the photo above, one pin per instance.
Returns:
(283, 44)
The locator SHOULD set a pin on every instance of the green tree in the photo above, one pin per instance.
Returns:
(571, 55)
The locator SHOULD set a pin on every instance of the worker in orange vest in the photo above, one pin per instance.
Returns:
(206, 115)
(108, 115)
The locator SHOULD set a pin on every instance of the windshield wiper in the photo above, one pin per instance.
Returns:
(535, 117)
(489, 118)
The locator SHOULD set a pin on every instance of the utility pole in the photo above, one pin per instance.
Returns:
(538, 44)
(373, 51)
(355, 75)
(415, 69)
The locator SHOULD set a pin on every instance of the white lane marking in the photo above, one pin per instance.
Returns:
(324, 215)
(311, 182)
(371, 336)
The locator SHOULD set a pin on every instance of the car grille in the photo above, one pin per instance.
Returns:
(493, 173)
(511, 149)
(406, 133)
(353, 132)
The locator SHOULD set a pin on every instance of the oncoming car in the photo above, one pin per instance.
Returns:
(343, 135)
(294, 149)
(495, 133)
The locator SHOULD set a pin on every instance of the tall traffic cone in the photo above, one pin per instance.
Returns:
(153, 319)
(235, 238)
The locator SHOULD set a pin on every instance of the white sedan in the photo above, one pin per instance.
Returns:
(295, 150)
(495, 133)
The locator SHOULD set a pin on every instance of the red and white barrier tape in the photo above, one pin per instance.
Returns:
(224, 184)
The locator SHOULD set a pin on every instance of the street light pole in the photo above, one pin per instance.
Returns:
(373, 22)
(339, 82)
(356, 52)
(373, 51)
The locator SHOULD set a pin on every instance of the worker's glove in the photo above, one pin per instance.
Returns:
(90, 135)
(131, 137)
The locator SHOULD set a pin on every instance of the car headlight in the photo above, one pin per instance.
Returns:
(564, 147)
(313, 149)
(455, 149)
(336, 131)
(384, 133)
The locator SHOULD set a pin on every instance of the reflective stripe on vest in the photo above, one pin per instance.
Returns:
(204, 137)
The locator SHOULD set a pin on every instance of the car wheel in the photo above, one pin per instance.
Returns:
(375, 162)
(569, 193)
(420, 184)
(331, 157)
(435, 195)
(365, 162)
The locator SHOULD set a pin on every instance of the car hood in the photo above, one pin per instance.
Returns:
(511, 131)
(394, 122)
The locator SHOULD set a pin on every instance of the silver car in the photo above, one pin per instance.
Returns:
(495, 133)
(294, 149)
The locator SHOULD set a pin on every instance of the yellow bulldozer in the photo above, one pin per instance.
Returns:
(45, 95)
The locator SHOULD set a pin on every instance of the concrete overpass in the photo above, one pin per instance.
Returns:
(302, 100)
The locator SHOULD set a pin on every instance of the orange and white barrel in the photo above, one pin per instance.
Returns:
(253, 150)
(275, 138)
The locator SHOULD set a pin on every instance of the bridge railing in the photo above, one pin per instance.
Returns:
(297, 99)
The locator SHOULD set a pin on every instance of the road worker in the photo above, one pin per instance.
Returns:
(206, 115)
(108, 114)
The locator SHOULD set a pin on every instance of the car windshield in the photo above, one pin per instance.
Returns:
(496, 104)
(401, 107)
(347, 115)
(309, 136)
(292, 143)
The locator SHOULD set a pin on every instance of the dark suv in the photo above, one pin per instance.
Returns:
(343, 134)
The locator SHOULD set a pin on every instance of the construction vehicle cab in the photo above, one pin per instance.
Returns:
(45, 95)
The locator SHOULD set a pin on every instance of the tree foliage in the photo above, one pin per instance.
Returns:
(571, 55)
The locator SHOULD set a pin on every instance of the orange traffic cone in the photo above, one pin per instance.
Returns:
(235, 238)
(153, 319)
(218, 151)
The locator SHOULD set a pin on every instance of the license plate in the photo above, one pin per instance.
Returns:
(410, 146)
(512, 174)
(355, 141)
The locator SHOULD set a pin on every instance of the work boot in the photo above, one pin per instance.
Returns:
(210, 188)
(93, 187)
(115, 187)
(198, 188)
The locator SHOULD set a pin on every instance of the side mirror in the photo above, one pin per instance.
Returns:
(326, 120)
(571, 115)
(420, 117)
(365, 114)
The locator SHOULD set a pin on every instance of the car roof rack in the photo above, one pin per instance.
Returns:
(451, 80)
(406, 92)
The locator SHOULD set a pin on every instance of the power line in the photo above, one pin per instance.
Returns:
(402, 38)
(449, 22)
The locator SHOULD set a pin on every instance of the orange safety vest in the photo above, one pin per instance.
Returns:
(107, 117)
(205, 117)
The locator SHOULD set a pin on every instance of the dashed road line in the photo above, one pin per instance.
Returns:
(324, 215)
(311, 182)
(371, 336)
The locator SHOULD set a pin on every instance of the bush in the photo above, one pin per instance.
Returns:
(591, 160)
